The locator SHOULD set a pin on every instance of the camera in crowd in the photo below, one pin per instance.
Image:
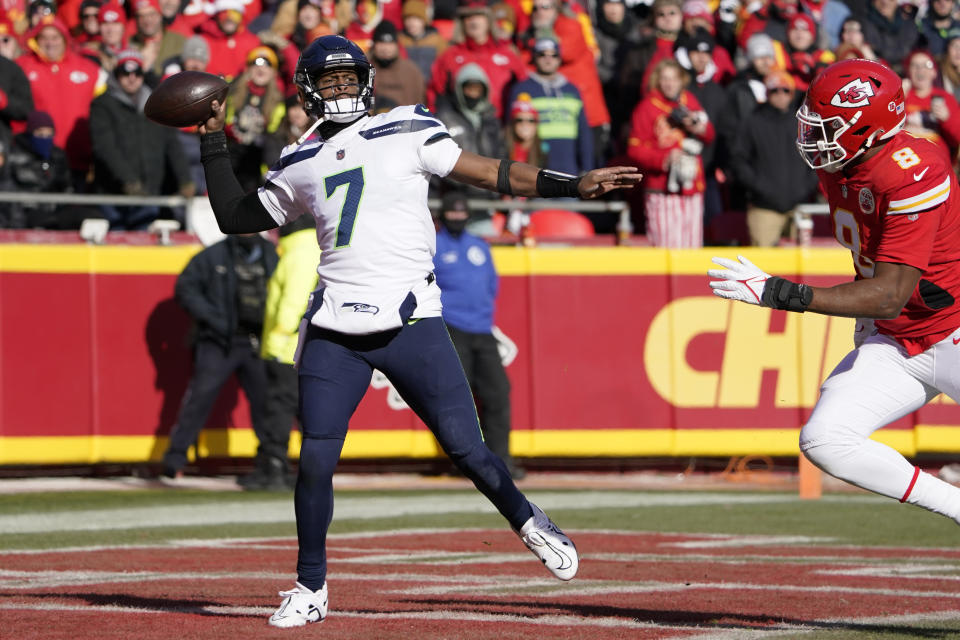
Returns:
(678, 115)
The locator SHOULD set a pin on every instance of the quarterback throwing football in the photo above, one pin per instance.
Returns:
(894, 202)
(365, 181)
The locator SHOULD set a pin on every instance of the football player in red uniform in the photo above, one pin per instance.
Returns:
(894, 202)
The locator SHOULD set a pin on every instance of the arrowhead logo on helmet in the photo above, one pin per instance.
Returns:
(855, 93)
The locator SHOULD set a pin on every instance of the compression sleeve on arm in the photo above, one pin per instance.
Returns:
(236, 212)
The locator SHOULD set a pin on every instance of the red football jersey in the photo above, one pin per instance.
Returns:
(903, 206)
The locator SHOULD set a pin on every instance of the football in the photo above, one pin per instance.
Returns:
(183, 99)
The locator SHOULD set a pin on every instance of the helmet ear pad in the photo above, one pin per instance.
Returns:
(309, 105)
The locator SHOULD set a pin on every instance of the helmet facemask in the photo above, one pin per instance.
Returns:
(345, 107)
(818, 140)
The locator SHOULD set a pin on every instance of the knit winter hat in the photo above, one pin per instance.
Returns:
(38, 120)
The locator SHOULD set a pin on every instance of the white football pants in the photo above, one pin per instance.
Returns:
(873, 386)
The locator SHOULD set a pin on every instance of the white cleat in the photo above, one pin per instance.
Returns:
(300, 606)
(552, 546)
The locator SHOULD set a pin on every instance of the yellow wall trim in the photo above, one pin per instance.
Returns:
(372, 444)
(510, 261)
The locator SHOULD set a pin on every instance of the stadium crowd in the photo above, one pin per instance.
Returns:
(700, 94)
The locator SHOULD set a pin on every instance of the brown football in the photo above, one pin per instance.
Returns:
(183, 99)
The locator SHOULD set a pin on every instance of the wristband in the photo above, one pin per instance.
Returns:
(553, 184)
(780, 293)
(213, 144)
(503, 178)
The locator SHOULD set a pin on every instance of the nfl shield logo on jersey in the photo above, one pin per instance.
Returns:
(341, 153)
(867, 203)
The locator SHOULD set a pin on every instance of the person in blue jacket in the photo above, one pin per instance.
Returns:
(563, 122)
(469, 283)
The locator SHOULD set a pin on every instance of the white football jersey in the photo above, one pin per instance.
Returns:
(367, 188)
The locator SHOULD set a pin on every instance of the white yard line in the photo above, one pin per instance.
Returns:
(361, 508)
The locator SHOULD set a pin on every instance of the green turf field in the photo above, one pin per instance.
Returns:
(50, 520)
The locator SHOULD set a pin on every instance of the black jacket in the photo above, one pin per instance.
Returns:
(765, 160)
(207, 288)
(19, 97)
(128, 148)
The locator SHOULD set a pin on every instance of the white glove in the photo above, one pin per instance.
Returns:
(742, 280)
(864, 329)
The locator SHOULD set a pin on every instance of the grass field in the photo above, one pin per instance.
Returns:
(428, 563)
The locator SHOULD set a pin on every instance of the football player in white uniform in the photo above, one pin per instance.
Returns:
(365, 181)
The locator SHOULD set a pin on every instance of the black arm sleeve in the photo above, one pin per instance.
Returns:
(236, 212)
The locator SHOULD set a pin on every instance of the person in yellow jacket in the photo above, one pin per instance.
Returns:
(287, 292)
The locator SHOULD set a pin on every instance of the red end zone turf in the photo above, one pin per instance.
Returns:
(477, 584)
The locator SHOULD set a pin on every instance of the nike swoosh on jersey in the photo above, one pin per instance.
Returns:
(919, 176)
(956, 341)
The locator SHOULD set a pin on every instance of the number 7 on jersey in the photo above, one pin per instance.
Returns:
(353, 178)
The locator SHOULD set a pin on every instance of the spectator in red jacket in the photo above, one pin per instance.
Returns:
(63, 84)
(578, 64)
(174, 20)
(804, 59)
(473, 42)
(932, 112)
(367, 15)
(9, 40)
(668, 131)
(88, 29)
(228, 39)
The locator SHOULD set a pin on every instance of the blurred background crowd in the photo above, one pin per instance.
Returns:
(700, 94)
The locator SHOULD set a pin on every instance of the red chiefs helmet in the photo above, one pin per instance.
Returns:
(850, 106)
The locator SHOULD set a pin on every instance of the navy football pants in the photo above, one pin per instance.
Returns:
(422, 364)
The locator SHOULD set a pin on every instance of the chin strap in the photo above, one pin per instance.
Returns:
(306, 134)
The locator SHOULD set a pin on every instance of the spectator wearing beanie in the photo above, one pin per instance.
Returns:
(748, 90)
(397, 78)
(111, 36)
(522, 140)
(195, 57)
(765, 160)
(563, 123)
(132, 154)
(37, 165)
(255, 109)
(419, 38)
(804, 59)
(695, 55)
(63, 83)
